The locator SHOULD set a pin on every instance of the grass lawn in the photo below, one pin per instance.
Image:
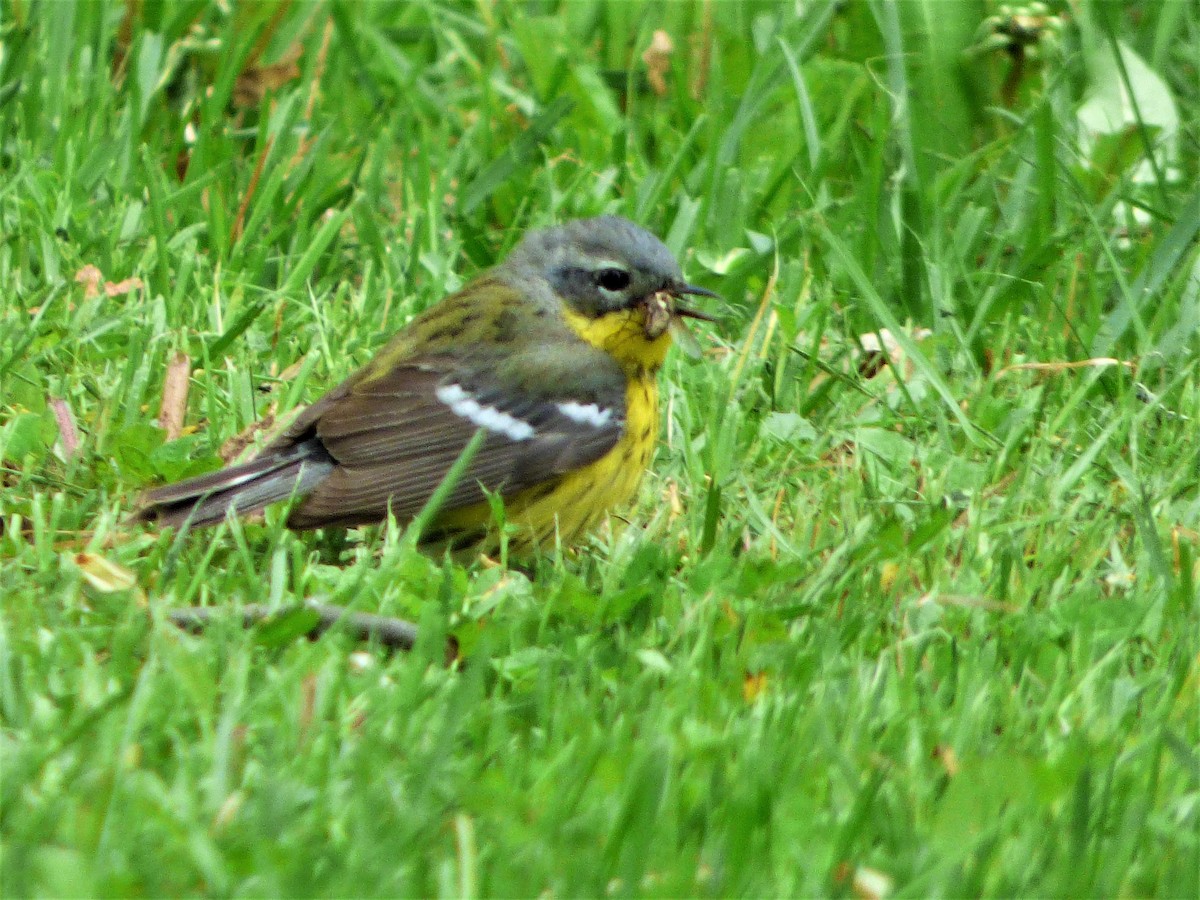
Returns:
(913, 623)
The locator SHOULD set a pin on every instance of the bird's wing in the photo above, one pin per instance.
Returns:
(394, 434)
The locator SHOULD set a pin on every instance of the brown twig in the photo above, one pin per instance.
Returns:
(314, 88)
(268, 32)
(396, 634)
(239, 222)
(318, 70)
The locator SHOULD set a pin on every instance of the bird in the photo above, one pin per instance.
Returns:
(539, 377)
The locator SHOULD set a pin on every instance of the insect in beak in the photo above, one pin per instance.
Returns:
(663, 311)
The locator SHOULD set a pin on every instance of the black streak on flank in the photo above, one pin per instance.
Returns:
(506, 326)
(439, 335)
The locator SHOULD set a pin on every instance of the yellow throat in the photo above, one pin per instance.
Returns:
(622, 335)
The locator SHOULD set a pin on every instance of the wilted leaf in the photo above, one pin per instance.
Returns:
(105, 576)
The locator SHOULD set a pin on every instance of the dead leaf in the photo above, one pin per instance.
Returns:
(268, 387)
(1179, 534)
(966, 600)
(730, 613)
(871, 884)
(887, 576)
(753, 686)
(308, 705)
(948, 759)
(228, 811)
(875, 345)
(174, 396)
(67, 432)
(89, 276)
(1099, 362)
(840, 456)
(293, 370)
(122, 287)
(658, 60)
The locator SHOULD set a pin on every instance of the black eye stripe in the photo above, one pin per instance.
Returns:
(613, 279)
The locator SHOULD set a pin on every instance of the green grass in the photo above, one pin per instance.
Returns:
(935, 625)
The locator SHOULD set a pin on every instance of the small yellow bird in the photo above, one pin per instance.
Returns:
(550, 358)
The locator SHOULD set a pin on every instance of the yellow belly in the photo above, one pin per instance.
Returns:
(582, 497)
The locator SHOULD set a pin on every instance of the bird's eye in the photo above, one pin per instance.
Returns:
(613, 279)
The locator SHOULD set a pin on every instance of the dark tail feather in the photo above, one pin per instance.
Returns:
(247, 488)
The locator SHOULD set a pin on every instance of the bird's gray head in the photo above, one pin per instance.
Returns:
(603, 265)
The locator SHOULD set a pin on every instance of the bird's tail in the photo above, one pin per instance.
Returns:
(246, 488)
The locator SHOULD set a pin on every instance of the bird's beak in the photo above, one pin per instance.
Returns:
(687, 312)
(663, 309)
